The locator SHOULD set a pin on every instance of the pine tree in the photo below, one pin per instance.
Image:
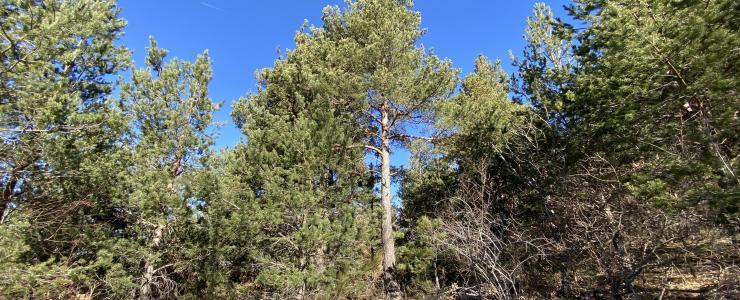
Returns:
(402, 83)
(656, 101)
(296, 199)
(654, 83)
(483, 110)
(59, 132)
(481, 124)
(545, 71)
(171, 113)
(607, 162)
(460, 197)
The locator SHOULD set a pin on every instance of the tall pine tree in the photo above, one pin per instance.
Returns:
(402, 82)
(297, 197)
(171, 113)
(58, 137)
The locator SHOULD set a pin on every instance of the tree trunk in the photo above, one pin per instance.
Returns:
(8, 192)
(392, 288)
(9, 189)
(145, 292)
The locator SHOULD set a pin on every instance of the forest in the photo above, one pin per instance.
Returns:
(604, 167)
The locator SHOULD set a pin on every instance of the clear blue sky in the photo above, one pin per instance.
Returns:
(244, 36)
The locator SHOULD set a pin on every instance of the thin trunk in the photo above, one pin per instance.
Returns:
(321, 258)
(303, 265)
(8, 192)
(302, 289)
(145, 292)
(436, 276)
(392, 288)
(9, 189)
(147, 286)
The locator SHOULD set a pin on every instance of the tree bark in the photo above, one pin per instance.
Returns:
(8, 192)
(392, 289)
(145, 292)
(9, 189)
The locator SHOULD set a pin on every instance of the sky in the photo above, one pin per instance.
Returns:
(248, 35)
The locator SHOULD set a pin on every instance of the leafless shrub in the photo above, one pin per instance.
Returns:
(592, 239)
(610, 244)
(491, 250)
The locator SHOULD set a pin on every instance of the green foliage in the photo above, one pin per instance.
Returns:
(628, 117)
(58, 135)
(419, 257)
(301, 201)
(609, 156)
(171, 113)
(545, 71)
(376, 41)
(426, 184)
(658, 91)
(482, 112)
(301, 169)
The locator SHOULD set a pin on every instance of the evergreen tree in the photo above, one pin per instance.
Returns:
(620, 132)
(59, 132)
(482, 112)
(461, 196)
(545, 71)
(604, 167)
(296, 199)
(389, 85)
(402, 83)
(171, 113)
(659, 82)
(480, 124)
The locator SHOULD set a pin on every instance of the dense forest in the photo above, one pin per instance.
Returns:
(604, 167)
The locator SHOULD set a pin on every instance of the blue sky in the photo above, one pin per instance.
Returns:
(244, 36)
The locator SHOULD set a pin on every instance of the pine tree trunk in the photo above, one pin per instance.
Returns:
(9, 190)
(145, 292)
(392, 288)
(7, 196)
